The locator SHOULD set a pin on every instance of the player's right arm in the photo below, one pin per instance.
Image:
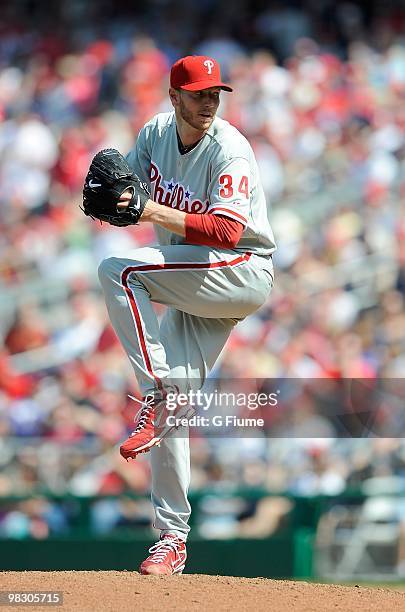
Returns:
(171, 219)
(208, 230)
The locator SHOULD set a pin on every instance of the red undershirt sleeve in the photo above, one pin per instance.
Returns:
(213, 230)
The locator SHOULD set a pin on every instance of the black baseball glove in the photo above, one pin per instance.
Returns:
(108, 177)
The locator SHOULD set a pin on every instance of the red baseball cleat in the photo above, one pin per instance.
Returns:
(152, 425)
(168, 556)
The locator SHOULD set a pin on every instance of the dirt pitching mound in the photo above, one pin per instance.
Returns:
(128, 591)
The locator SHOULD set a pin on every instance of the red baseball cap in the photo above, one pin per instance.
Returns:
(196, 72)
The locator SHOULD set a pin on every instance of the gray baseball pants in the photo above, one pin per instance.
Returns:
(207, 291)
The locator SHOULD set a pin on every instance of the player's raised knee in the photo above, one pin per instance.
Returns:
(106, 269)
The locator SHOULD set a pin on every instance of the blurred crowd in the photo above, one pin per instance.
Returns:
(319, 92)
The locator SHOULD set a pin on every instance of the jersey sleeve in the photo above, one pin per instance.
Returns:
(139, 157)
(229, 190)
(211, 230)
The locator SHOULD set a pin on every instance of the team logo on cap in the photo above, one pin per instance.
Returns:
(209, 64)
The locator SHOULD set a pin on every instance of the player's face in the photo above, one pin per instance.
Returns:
(198, 108)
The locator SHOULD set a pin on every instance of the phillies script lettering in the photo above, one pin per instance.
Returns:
(174, 194)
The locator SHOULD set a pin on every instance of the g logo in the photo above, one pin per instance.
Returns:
(209, 64)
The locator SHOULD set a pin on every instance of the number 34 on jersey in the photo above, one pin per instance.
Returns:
(227, 189)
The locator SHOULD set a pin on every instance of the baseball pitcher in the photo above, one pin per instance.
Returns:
(194, 176)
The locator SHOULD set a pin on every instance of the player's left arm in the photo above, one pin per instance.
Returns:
(139, 157)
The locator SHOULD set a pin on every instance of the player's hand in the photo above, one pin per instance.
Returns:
(124, 200)
(112, 192)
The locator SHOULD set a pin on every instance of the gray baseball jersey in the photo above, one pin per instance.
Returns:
(219, 176)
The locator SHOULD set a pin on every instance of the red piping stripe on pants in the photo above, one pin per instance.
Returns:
(156, 268)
